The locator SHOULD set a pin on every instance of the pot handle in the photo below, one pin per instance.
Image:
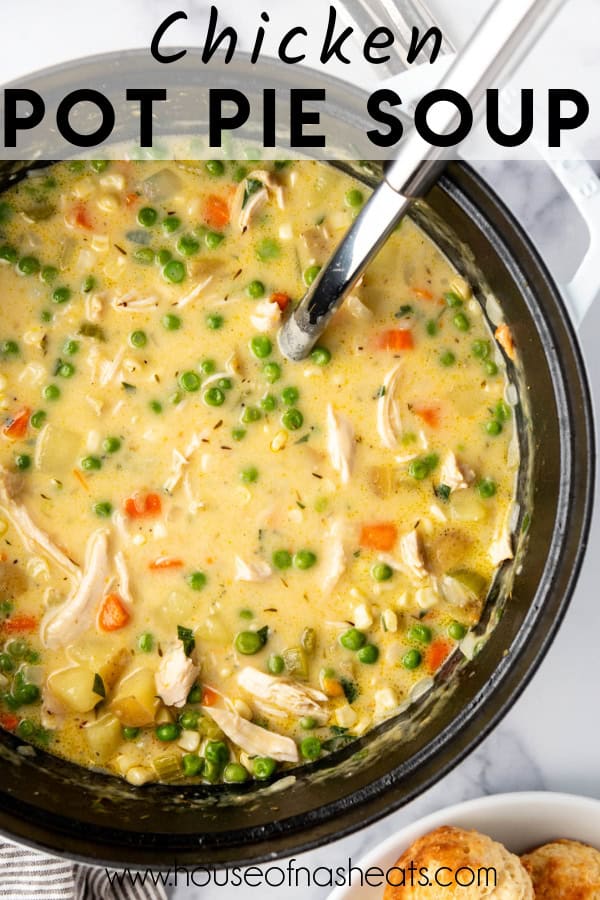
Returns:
(583, 186)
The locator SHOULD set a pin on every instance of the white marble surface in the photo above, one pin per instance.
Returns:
(550, 739)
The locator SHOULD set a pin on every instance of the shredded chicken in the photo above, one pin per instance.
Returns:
(501, 548)
(411, 553)
(194, 293)
(455, 592)
(317, 241)
(123, 577)
(180, 460)
(357, 308)
(266, 316)
(254, 571)
(94, 307)
(130, 302)
(504, 337)
(175, 676)
(457, 476)
(243, 213)
(277, 695)
(334, 560)
(109, 368)
(341, 445)
(253, 740)
(32, 536)
(61, 626)
(389, 422)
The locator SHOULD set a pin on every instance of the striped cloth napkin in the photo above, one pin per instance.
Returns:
(28, 875)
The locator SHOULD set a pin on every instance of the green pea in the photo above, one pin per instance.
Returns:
(272, 372)
(461, 322)
(353, 639)
(249, 475)
(6, 663)
(65, 370)
(480, 349)
(91, 463)
(368, 655)
(22, 462)
(239, 174)
(321, 356)
(311, 274)
(163, 257)
(354, 198)
(99, 165)
(453, 300)
(155, 406)
(502, 411)
(103, 509)
(292, 419)
(251, 414)
(447, 359)
(187, 245)
(46, 315)
(38, 418)
(213, 239)
(139, 339)
(431, 328)
(145, 256)
(487, 488)
(238, 434)
(214, 396)
(381, 572)
(268, 403)
(171, 322)
(308, 723)
(17, 648)
(146, 642)
(246, 614)
(249, 642)
(235, 773)
(282, 559)
(8, 254)
(61, 295)
(130, 732)
(261, 346)
(28, 265)
(5, 212)
(412, 659)
(420, 633)
(195, 695)
(111, 444)
(267, 250)
(171, 224)
(256, 290)
(310, 748)
(192, 765)
(168, 731)
(174, 271)
(217, 752)
(26, 729)
(493, 428)
(215, 167)
(275, 664)
(304, 559)
(189, 719)
(456, 631)
(147, 216)
(25, 693)
(49, 274)
(214, 321)
(10, 348)
(190, 382)
(71, 347)
(290, 395)
(263, 767)
(418, 469)
(211, 771)
(89, 283)
(51, 392)
(208, 366)
(491, 368)
(196, 580)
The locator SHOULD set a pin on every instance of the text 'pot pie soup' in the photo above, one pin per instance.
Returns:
(216, 563)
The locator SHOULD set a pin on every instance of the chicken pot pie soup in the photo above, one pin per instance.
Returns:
(216, 563)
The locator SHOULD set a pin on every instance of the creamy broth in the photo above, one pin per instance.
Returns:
(215, 562)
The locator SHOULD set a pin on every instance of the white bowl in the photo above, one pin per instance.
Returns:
(519, 821)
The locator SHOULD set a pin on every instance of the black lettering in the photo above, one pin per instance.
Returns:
(146, 96)
(557, 123)
(333, 45)
(218, 122)
(395, 127)
(299, 117)
(13, 122)
(417, 43)
(286, 41)
(260, 37)
(213, 42)
(499, 136)
(372, 43)
(160, 33)
(465, 118)
(269, 138)
(65, 108)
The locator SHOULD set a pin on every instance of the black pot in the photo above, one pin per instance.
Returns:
(54, 805)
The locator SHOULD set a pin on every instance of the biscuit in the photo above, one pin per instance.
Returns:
(564, 870)
(465, 864)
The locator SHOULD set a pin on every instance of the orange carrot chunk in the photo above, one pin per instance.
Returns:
(378, 536)
(429, 414)
(80, 217)
(209, 697)
(281, 300)
(165, 562)
(8, 721)
(216, 212)
(437, 652)
(396, 339)
(113, 614)
(15, 428)
(423, 293)
(140, 506)
(18, 624)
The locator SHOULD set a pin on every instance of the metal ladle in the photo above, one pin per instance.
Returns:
(502, 39)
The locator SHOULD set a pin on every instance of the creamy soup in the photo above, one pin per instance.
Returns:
(216, 563)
